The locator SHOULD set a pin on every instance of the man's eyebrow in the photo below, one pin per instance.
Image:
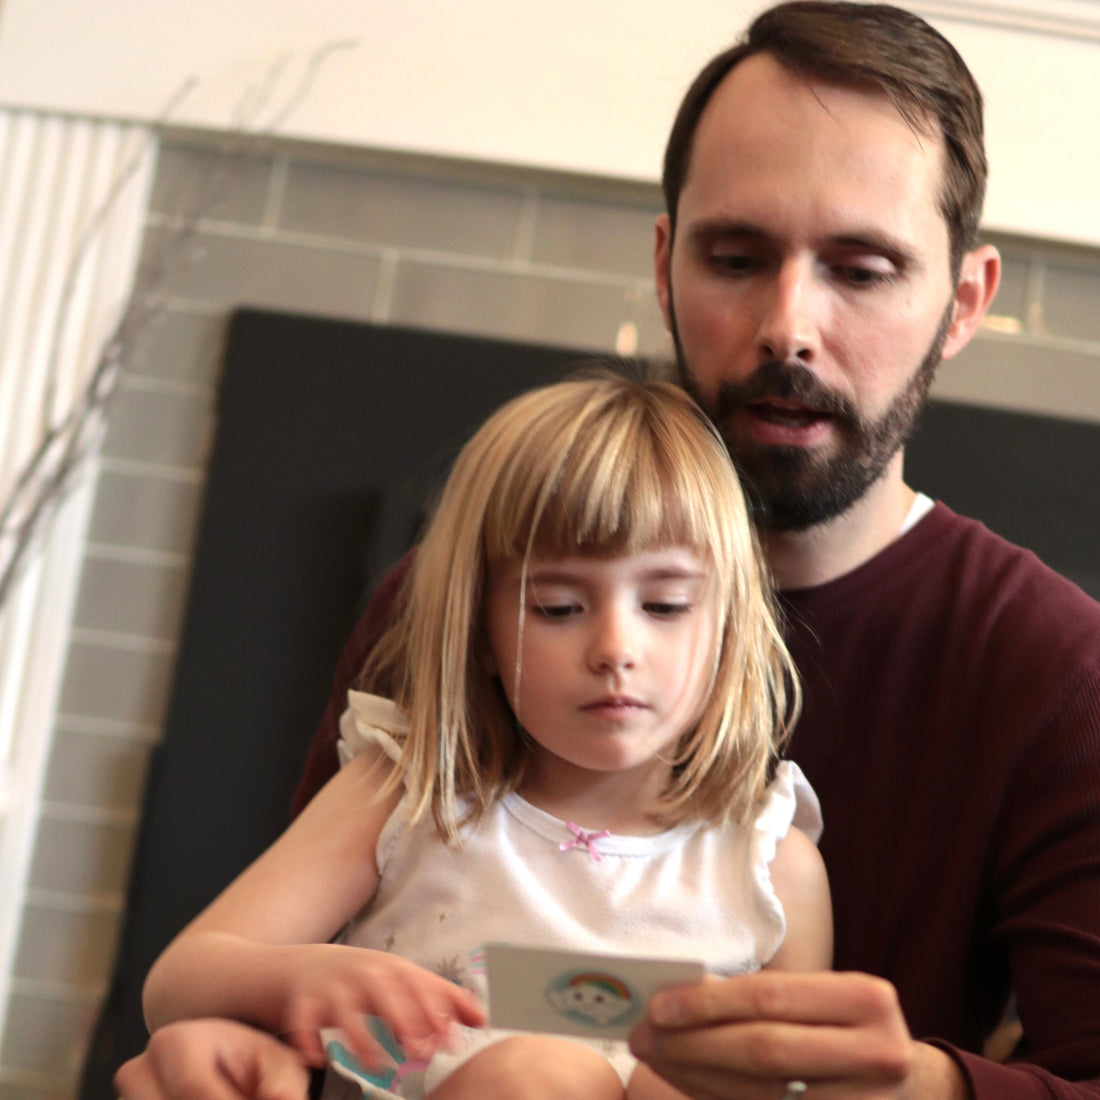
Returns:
(869, 240)
(881, 244)
(715, 228)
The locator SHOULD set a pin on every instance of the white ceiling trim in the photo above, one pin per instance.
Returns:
(1076, 19)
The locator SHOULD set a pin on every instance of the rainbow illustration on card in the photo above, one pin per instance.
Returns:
(593, 997)
(560, 992)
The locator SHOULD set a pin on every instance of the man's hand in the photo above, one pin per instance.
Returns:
(213, 1060)
(843, 1034)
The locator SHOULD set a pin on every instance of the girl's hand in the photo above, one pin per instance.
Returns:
(330, 985)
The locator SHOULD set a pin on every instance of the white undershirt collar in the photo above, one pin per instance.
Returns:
(922, 505)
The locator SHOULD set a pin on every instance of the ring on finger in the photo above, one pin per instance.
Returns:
(794, 1090)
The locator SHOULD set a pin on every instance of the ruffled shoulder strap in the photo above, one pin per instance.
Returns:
(373, 722)
(789, 800)
(370, 721)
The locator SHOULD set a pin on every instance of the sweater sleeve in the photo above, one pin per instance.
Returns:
(322, 762)
(1050, 918)
(1017, 1080)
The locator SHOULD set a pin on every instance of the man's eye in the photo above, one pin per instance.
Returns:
(733, 262)
(860, 276)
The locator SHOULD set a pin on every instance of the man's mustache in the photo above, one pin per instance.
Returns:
(788, 382)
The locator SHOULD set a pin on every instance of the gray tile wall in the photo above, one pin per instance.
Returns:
(1040, 349)
(493, 252)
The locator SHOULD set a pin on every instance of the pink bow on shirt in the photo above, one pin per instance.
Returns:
(587, 840)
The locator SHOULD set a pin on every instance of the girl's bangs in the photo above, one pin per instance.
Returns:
(616, 492)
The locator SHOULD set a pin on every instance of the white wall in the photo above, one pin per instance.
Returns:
(579, 85)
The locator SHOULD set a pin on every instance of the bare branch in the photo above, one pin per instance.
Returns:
(65, 443)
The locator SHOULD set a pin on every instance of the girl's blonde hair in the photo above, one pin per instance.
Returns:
(604, 466)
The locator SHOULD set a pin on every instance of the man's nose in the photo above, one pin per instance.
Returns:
(789, 321)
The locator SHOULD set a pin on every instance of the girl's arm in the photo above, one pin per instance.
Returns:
(259, 952)
(798, 875)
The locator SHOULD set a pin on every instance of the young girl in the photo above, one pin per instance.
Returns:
(567, 742)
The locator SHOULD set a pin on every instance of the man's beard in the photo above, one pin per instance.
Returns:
(790, 488)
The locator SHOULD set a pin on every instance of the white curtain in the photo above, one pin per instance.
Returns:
(73, 194)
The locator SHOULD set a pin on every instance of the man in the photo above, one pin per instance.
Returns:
(824, 182)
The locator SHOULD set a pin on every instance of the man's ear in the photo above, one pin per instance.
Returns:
(662, 253)
(979, 278)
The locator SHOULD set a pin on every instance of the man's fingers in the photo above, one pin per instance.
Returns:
(700, 1084)
(135, 1080)
(212, 1060)
(837, 1031)
(817, 998)
(780, 1051)
(274, 1073)
(177, 1075)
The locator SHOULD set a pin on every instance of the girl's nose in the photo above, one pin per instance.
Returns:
(613, 647)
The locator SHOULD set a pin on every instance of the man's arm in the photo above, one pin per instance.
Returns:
(321, 761)
(1048, 871)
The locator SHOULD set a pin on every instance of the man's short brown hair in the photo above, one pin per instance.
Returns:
(876, 47)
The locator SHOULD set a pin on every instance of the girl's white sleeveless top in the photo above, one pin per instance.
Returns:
(692, 892)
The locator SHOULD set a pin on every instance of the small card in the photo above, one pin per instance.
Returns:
(574, 993)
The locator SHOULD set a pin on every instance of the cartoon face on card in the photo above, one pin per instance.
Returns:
(574, 993)
(593, 997)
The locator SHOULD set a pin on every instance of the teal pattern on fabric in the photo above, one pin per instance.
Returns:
(340, 1056)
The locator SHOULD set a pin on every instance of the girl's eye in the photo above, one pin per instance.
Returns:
(555, 610)
(663, 610)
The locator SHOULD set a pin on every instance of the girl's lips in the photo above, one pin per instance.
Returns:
(614, 705)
